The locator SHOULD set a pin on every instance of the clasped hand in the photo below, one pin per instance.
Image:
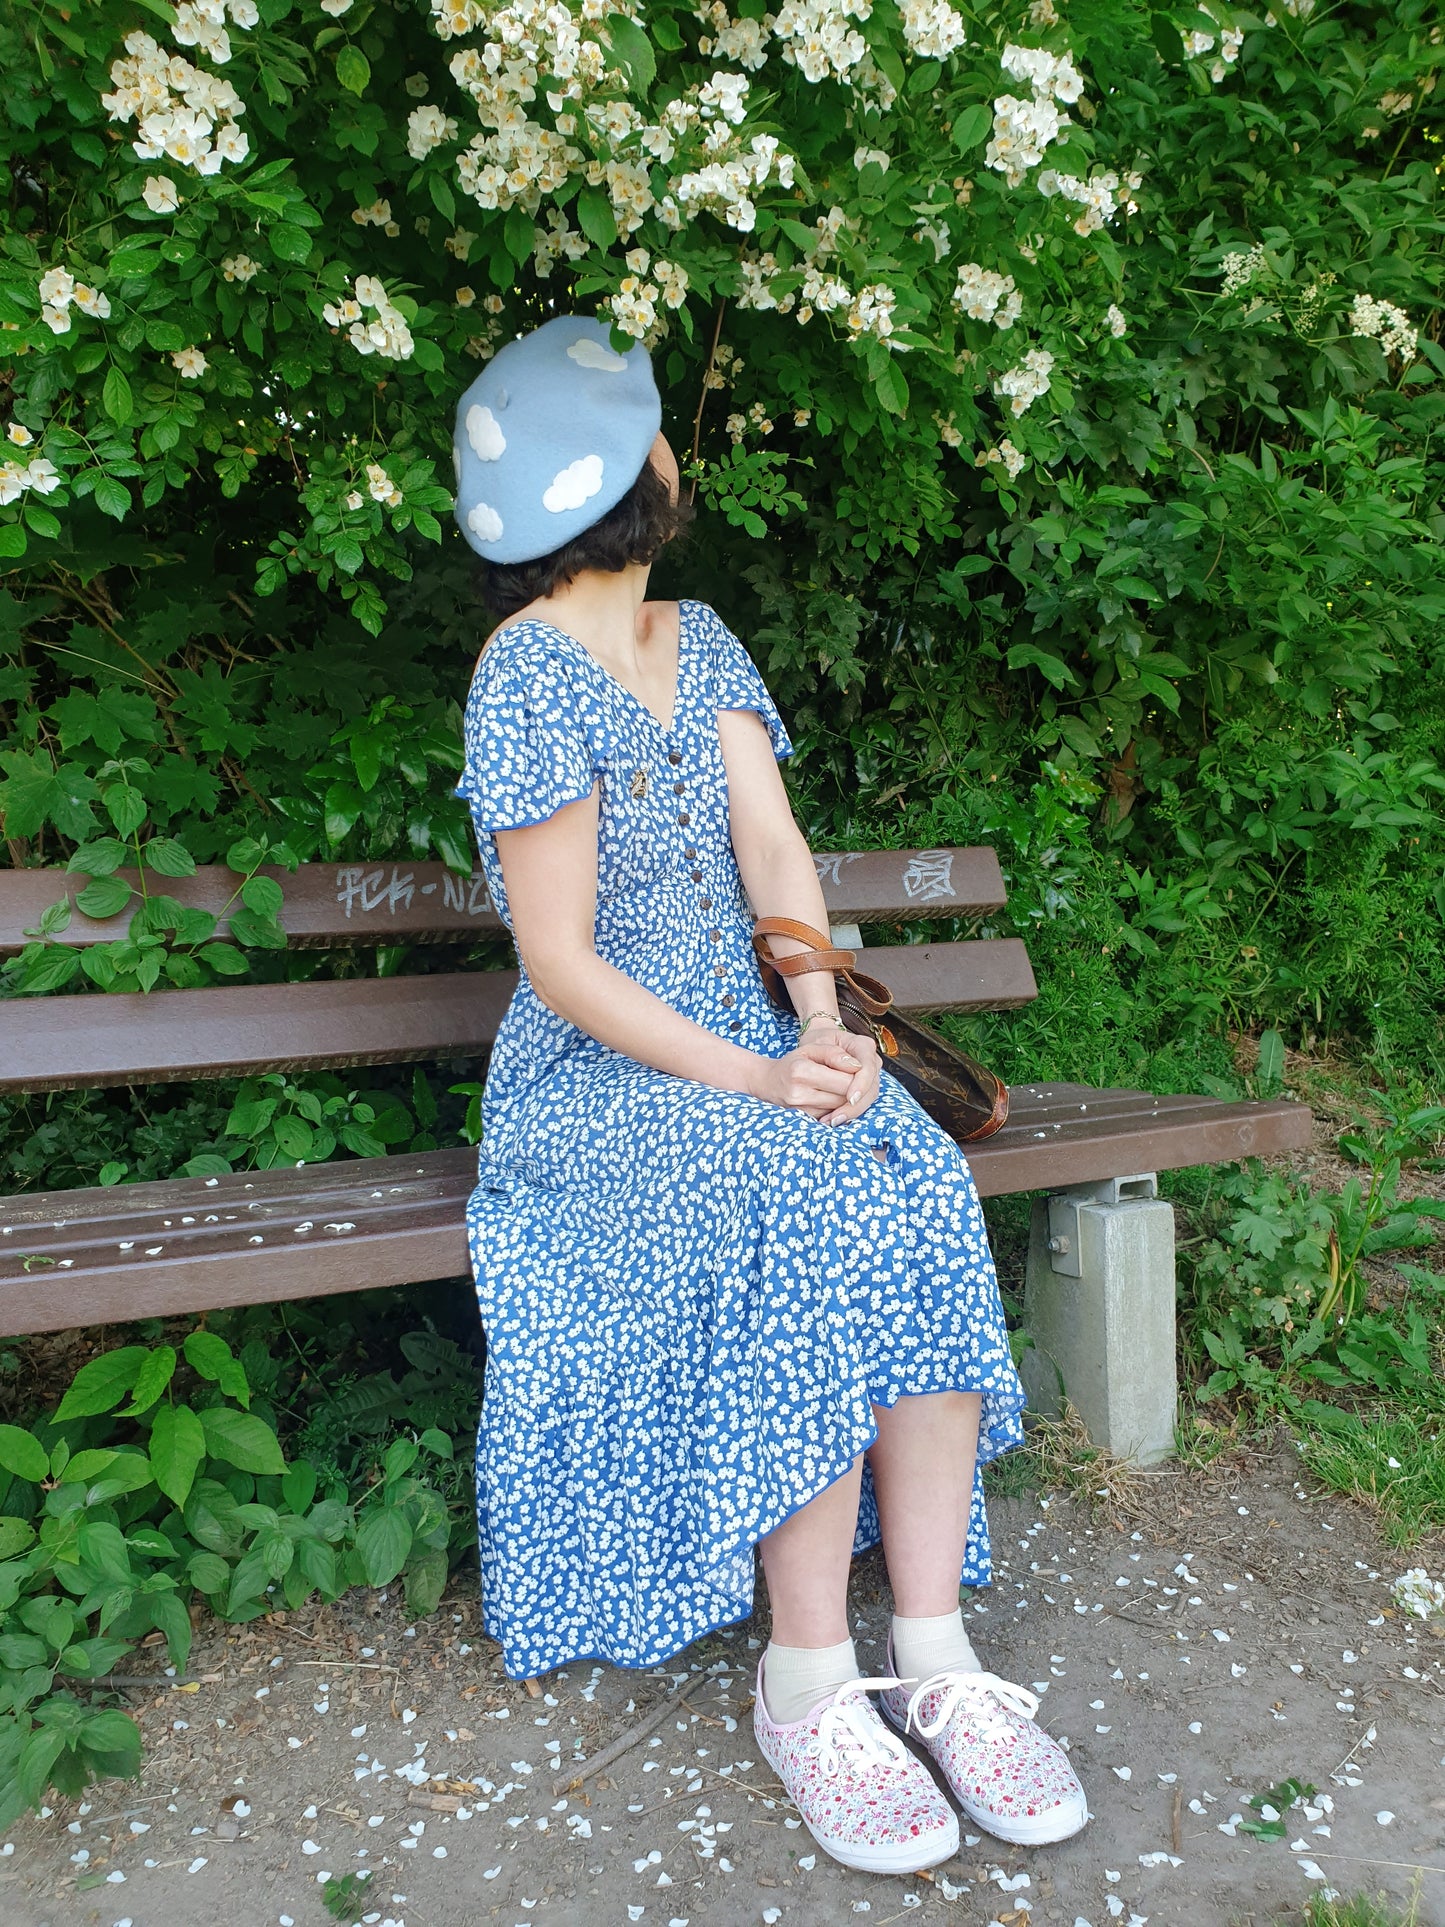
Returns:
(832, 1074)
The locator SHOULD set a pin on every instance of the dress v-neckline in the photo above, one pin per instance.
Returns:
(663, 729)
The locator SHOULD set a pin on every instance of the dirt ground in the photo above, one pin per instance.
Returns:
(1204, 1638)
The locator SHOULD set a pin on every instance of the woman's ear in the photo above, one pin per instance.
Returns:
(665, 462)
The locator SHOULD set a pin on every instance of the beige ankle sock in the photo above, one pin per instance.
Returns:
(922, 1647)
(795, 1678)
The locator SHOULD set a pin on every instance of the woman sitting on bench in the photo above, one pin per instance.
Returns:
(735, 1282)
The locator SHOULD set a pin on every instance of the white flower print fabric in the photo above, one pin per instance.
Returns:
(692, 1298)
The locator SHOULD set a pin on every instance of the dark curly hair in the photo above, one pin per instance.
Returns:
(633, 530)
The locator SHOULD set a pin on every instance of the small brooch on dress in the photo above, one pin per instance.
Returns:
(638, 785)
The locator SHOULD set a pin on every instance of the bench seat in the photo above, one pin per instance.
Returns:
(189, 1244)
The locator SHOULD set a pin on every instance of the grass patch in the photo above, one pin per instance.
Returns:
(1395, 1464)
(1360, 1910)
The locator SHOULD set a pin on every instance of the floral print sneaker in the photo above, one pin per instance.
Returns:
(1011, 1778)
(864, 1797)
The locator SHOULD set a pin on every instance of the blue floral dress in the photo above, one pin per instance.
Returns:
(692, 1297)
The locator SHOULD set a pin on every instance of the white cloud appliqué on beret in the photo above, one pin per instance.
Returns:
(596, 354)
(573, 485)
(484, 522)
(484, 432)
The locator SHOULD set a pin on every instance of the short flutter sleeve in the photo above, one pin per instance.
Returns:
(738, 684)
(528, 749)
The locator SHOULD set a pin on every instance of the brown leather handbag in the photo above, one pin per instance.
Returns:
(965, 1097)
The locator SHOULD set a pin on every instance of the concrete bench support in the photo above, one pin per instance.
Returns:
(1099, 1304)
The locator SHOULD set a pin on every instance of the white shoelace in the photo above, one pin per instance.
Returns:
(988, 1698)
(851, 1731)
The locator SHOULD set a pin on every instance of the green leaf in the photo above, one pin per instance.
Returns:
(595, 216)
(208, 1572)
(22, 1454)
(168, 858)
(126, 807)
(257, 933)
(116, 1735)
(263, 895)
(243, 1440)
(16, 1536)
(211, 1357)
(103, 1383)
(972, 126)
(177, 1447)
(1167, 38)
(112, 497)
(88, 1465)
(425, 1582)
(383, 1542)
(891, 388)
(634, 51)
(116, 398)
(104, 897)
(1270, 1068)
(151, 1380)
(100, 858)
(289, 243)
(298, 1488)
(224, 959)
(353, 69)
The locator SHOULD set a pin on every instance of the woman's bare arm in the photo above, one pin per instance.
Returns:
(550, 873)
(781, 880)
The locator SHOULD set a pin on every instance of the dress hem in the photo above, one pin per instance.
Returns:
(635, 1665)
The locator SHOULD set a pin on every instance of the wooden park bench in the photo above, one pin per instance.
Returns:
(1100, 1293)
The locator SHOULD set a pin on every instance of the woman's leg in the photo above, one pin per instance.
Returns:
(922, 1462)
(806, 1562)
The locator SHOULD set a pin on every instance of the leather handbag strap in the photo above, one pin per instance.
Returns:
(871, 995)
(821, 955)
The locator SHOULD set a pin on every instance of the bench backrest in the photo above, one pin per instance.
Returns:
(93, 1039)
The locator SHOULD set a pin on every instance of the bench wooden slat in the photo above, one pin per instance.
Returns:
(401, 1220)
(376, 903)
(94, 1041)
(134, 1037)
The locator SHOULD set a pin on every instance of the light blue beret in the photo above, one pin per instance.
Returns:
(551, 434)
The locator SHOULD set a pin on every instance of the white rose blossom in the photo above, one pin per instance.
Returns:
(191, 363)
(15, 478)
(985, 296)
(160, 194)
(380, 486)
(1006, 455)
(386, 335)
(1024, 384)
(177, 108)
(428, 128)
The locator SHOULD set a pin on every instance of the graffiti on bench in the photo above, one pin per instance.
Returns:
(371, 891)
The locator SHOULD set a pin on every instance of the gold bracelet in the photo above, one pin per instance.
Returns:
(821, 1013)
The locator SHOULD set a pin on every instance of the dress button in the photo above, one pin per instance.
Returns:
(674, 756)
(689, 851)
(735, 1024)
(718, 971)
(715, 936)
(704, 903)
(728, 999)
(696, 875)
(678, 788)
(684, 819)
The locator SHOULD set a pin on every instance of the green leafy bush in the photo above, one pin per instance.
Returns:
(160, 1478)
